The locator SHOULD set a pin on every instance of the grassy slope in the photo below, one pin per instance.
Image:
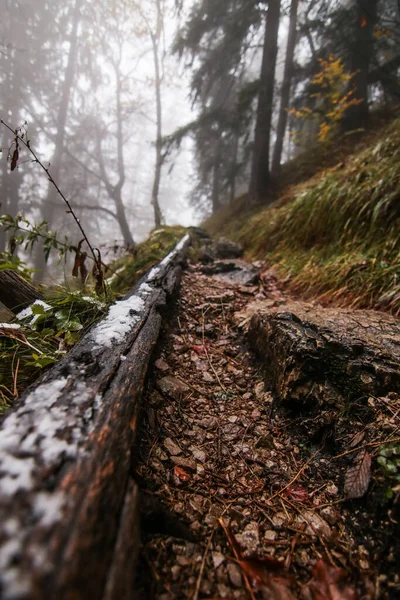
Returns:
(337, 233)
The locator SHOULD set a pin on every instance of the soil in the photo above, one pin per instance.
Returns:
(241, 499)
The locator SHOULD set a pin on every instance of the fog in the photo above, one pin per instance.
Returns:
(81, 76)
(108, 107)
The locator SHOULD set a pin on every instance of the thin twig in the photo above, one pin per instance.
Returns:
(388, 440)
(50, 178)
(279, 492)
(203, 563)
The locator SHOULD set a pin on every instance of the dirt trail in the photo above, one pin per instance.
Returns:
(241, 502)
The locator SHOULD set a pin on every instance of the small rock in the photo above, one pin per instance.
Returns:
(184, 561)
(279, 519)
(270, 535)
(199, 455)
(208, 377)
(176, 571)
(172, 447)
(250, 538)
(232, 419)
(259, 389)
(315, 525)
(186, 463)
(173, 386)
(195, 526)
(235, 575)
(329, 514)
(223, 590)
(218, 559)
(224, 248)
(247, 396)
(162, 365)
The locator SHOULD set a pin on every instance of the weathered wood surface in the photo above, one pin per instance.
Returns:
(316, 357)
(68, 506)
(16, 293)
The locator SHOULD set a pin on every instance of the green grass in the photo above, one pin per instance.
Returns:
(148, 253)
(338, 234)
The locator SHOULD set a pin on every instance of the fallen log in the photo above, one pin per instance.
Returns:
(15, 292)
(316, 358)
(68, 505)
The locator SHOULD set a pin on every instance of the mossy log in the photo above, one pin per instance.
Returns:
(15, 292)
(319, 358)
(69, 525)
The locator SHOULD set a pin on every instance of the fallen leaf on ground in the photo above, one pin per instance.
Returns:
(328, 583)
(357, 478)
(181, 474)
(298, 494)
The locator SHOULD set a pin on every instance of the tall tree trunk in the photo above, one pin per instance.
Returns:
(216, 181)
(56, 162)
(260, 175)
(285, 91)
(362, 52)
(121, 218)
(155, 39)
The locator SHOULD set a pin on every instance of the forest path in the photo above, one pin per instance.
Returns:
(241, 500)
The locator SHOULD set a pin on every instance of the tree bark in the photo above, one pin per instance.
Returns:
(16, 293)
(66, 457)
(155, 40)
(362, 52)
(326, 358)
(285, 91)
(260, 174)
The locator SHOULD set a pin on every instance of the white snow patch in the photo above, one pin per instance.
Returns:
(10, 326)
(15, 585)
(145, 288)
(27, 312)
(93, 301)
(122, 358)
(153, 273)
(48, 507)
(119, 321)
(19, 474)
(182, 243)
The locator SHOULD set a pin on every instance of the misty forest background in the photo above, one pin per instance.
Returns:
(154, 112)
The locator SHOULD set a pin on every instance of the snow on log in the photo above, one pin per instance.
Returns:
(68, 506)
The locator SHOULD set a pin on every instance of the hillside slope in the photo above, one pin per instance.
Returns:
(334, 236)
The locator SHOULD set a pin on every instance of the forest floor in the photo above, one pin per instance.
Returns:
(240, 501)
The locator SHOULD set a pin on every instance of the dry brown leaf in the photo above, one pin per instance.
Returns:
(256, 570)
(278, 589)
(181, 474)
(328, 583)
(357, 478)
(298, 494)
(260, 572)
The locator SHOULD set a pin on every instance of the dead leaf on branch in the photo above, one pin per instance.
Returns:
(357, 478)
(328, 583)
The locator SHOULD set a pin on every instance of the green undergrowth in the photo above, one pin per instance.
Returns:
(31, 344)
(337, 235)
(129, 269)
(39, 339)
